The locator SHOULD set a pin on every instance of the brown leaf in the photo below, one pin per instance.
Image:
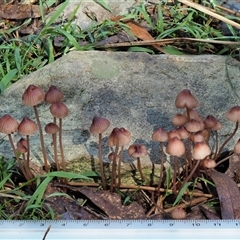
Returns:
(228, 194)
(110, 203)
(142, 33)
(19, 11)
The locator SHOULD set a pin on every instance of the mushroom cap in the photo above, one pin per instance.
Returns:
(27, 127)
(183, 132)
(33, 95)
(185, 99)
(237, 147)
(179, 120)
(233, 114)
(137, 150)
(111, 156)
(120, 137)
(23, 141)
(175, 147)
(22, 145)
(193, 114)
(209, 163)
(194, 126)
(197, 137)
(210, 121)
(53, 95)
(178, 213)
(99, 125)
(59, 110)
(51, 128)
(200, 151)
(8, 124)
(217, 126)
(160, 135)
(173, 133)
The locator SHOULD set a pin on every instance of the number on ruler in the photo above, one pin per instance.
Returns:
(217, 224)
(196, 224)
(149, 224)
(128, 224)
(106, 224)
(85, 224)
(171, 224)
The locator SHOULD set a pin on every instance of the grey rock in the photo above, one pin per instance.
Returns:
(90, 12)
(133, 90)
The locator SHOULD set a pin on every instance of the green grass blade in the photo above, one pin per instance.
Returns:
(6, 80)
(103, 4)
(56, 14)
(180, 194)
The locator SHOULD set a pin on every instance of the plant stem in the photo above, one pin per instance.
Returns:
(101, 161)
(41, 139)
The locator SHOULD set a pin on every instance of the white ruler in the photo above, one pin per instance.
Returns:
(120, 229)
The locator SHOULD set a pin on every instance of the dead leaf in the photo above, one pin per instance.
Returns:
(110, 204)
(209, 213)
(19, 11)
(228, 195)
(233, 170)
(142, 33)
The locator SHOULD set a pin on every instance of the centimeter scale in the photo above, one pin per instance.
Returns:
(119, 229)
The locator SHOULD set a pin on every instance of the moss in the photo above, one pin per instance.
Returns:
(129, 173)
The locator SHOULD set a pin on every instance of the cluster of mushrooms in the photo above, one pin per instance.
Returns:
(33, 96)
(188, 141)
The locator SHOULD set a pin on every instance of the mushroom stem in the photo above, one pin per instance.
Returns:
(191, 173)
(61, 145)
(54, 138)
(41, 139)
(113, 175)
(28, 150)
(140, 169)
(18, 160)
(119, 166)
(101, 162)
(161, 168)
(226, 141)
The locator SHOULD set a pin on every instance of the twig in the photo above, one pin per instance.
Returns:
(45, 234)
(165, 41)
(184, 205)
(207, 11)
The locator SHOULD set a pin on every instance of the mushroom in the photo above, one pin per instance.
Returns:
(8, 125)
(98, 126)
(233, 114)
(27, 127)
(119, 137)
(178, 213)
(179, 120)
(175, 148)
(185, 99)
(53, 95)
(22, 147)
(161, 136)
(200, 151)
(137, 151)
(52, 128)
(60, 110)
(32, 96)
